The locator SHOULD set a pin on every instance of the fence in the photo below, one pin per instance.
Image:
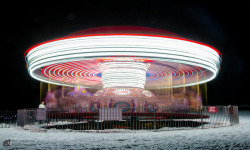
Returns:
(120, 119)
(8, 119)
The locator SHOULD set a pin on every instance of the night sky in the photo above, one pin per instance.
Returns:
(224, 26)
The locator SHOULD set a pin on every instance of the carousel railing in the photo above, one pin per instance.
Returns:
(127, 118)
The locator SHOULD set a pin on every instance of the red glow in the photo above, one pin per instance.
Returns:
(123, 30)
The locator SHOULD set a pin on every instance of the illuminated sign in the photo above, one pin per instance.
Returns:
(122, 92)
(147, 93)
(99, 92)
(212, 109)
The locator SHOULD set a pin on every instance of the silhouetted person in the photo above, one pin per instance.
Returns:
(42, 105)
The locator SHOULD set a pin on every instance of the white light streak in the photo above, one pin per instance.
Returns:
(94, 47)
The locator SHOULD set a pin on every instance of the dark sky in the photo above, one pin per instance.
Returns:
(224, 26)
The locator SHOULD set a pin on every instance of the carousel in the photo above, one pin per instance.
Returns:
(123, 66)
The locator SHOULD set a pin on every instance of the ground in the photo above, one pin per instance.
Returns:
(232, 137)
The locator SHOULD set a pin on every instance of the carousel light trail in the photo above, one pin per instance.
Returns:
(161, 57)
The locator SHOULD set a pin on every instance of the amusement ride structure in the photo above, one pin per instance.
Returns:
(124, 64)
(125, 77)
